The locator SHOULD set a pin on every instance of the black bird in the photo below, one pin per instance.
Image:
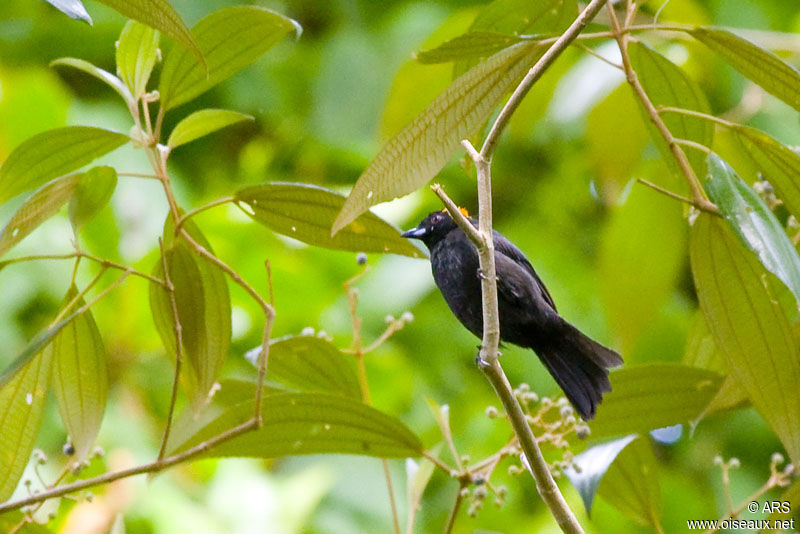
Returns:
(528, 316)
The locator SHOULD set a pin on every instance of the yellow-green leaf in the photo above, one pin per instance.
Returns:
(137, 52)
(306, 212)
(667, 85)
(42, 205)
(737, 296)
(421, 149)
(93, 192)
(230, 39)
(307, 423)
(203, 122)
(102, 75)
(203, 309)
(524, 16)
(159, 14)
(761, 66)
(467, 46)
(54, 153)
(11, 520)
(309, 363)
(753, 222)
(649, 396)
(80, 378)
(22, 400)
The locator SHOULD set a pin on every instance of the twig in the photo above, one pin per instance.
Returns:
(693, 144)
(598, 56)
(674, 195)
(81, 254)
(451, 520)
(189, 214)
(78, 297)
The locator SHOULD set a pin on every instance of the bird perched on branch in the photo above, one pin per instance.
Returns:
(528, 315)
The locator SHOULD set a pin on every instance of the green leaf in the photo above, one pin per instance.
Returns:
(80, 378)
(738, 299)
(761, 66)
(306, 212)
(307, 423)
(102, 75)
(230, 39)
(631, 484)
(137, 52)
(421, 149)
(94, 190)
(10, 520)
(518, 16)
(22, 399)
(203, 309)
(159, 14)
(648, 396)
(593, 464)
(753, 222)
(42, 205)
(667, 85)
(72, 8)
(203, 122)
(309, 363)
(467, 46)
(791, 496)
(779, 164)
(52, 154)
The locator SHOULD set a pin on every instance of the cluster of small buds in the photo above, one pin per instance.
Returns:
(492, 412)
(733, 463)
(39, 456)
(500, 495)
(476, 501)
(308, 331)
(767, 193)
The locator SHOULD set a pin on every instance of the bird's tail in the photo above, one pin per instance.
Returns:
(579, 365)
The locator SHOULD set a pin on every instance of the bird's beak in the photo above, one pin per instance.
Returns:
(416, 233)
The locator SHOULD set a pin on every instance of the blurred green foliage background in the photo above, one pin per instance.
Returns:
(612, 253)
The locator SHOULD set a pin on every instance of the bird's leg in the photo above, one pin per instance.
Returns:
(480, 362)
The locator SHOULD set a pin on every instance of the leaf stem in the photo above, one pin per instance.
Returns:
(189, 214)
(81, 254)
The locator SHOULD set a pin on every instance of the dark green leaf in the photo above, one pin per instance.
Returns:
(158, 14)
(80, 378)
(309, 363)
(738, 299)
(42, 205)
(467, 46)
(631, 483)
(203, 309)
(54, 153)
(137, 52)
(667, 85)
(203, 122)
(421, 149)
(761, 66)
(22, 400)
(72, 8)
(753, 222)
(306, 212)
(102, 75)
(649, 396)
(230, 39)
(593, 464)
(94, 191)
(309, 423)
(779, 164)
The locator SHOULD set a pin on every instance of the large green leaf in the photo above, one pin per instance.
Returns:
(761, 66)
(159, 14)
(94, 191)
(753, 222)
(631, 484)
(203, 122)
(53, 153)
(42, 205)
(22, 399)
(467, 46)
(309, 363)
(137, 52)
(749, 327)
(593, 463)
(306, 212)
(779, 164)
(421, 149)
(667, 85)
(80, 378)
(524, 16)
(203, 309)
(649, 396)
(102, 75)
(308, 423)
(230, 39)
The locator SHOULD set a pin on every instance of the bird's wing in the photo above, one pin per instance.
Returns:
(506, 248)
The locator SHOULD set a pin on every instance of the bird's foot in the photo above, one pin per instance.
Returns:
(482, 275)
(480, 362)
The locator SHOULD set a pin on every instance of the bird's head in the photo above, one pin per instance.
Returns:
(433, 228)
